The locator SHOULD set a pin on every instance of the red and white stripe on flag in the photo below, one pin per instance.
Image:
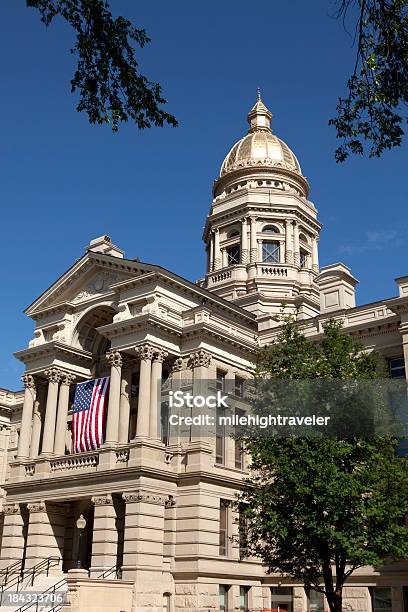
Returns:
(89, 414)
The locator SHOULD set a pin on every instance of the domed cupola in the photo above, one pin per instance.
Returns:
(260, 156)
(261, 233)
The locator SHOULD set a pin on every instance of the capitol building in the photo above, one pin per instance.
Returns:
(147, 522)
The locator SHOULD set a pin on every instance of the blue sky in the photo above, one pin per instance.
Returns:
(64, 182)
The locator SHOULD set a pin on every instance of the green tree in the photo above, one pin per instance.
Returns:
(374, 110)
(111, 89)
(318, 508)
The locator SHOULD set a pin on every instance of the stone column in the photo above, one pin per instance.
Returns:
(124, 411)
(217, 254)
(224, 257)
(244, 241)
(12, 547)
(155, 393)
(211, 253)
(143, 407)
(315, 255)
(253, 241)
(200, 362)
(288, 242)
(54, 376)
(26, 420)
(46, 531)
(38, 418)
(63, 401)
(143, 542)
(105, 535)
(296, 253)
(112, 423)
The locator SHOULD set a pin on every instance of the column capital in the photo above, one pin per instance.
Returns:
(159, 355)
(102, 500)
(67, 378)
(144, 497)
(28, 380)
(200, 358)
(38, 506)
(177, 364)
(114, 358)
(11, 509)
(53, 374)
(145, 352)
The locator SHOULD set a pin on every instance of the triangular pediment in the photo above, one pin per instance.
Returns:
(89, 278)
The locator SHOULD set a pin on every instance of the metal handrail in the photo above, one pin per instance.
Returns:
(31, 572)
(37, 603)
(10, 569)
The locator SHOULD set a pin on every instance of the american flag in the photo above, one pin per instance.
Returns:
(88, 414)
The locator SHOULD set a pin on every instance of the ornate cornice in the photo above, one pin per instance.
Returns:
(102, 500)
(144, 497)
(200, 358)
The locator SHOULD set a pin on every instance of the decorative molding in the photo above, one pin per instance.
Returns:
(67, 378)
(170, 502)
(200, 358)
(102, 500)
(177, 365)
(144, 497)
(38, 506)
(99, 284)
(10, 509)
(145, 352)
(53, 375)
(160, 355)
(114, 359)
(28, 380)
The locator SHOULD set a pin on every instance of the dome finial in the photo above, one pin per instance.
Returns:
(259, 117)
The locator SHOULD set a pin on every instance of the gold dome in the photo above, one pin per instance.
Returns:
(260, 147)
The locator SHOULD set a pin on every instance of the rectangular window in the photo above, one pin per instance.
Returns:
(243, 599)
(164, 422)
(381, 599)
(223, 546)
(243, 547)
(239, 455)
(303, 259)
(220, 381)
(223, 597)
(219, 438)
(233, 254)
(282, 599)
(270, 252)
(396, 367)
(315, 601)
(239, 386)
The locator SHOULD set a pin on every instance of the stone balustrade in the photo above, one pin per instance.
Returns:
(82, 462)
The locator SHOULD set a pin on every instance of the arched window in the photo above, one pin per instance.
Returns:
(166, 602)
(271, 252)
(303, 258)
(303, 238)
(270, 229)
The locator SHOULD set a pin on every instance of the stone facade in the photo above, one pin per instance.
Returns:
(153, 500)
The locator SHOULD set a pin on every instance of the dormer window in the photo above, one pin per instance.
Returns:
(270, 229)
(271, 252)
(233, 254)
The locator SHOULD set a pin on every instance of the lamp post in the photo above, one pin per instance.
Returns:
(81, 524)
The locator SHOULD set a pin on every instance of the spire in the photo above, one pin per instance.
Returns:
(259, 117)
